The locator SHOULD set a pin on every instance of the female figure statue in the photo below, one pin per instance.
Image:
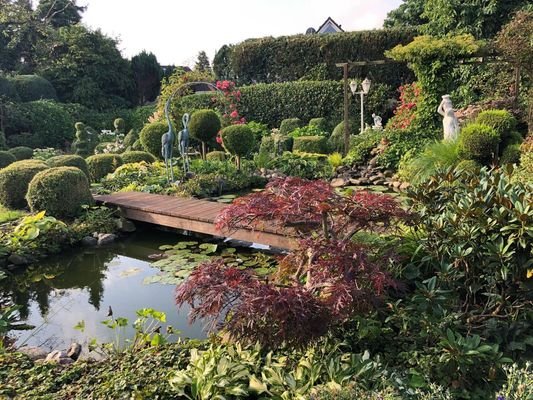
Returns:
(450, 123)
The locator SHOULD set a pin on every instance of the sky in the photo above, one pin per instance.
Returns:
(176, 30)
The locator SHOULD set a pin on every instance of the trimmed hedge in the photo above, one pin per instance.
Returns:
(204, 125)
(150, 137)
(60, 191)
(320, 123)
(102, 164)
(215, 156)
(238, 140)
(14, 181)
(311, 144)
(33, 87)
(479, 143)
(22, 152)
(290, 58)
(130, 157)
(6, 158)
(500, 120)
(290, 124)
(70, 161)
(7, 89)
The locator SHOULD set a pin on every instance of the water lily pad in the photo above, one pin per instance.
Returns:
(208, 248)
(263, 271)
(229, 250)
(182, 274)
(166, 247)
(49, 276)
(228, 196)
(225, 201)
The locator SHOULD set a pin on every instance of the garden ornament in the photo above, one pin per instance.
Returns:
(167, 143)
(449, 123)
(183, 142)
(378, 124)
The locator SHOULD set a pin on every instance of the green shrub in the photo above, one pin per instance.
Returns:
(120, 126)
(468, 166)
(49, 122)
(501, 121)
(137, 156)
(70, 161)
(309, 130)
(102, 164)
(511, 155)
(311, 144)
(3, 142)
(479, 143)
(307, 166)
(33, 87)
(130, 139)
(139, 117)
(290, 124)
(14, 181)
(238, 140)
(204, 126)
(267, 145)
(22, 152)
(150, 137)
(336, 140)
(8, 90)
(6, 158)
(215, 156)
(320, 123)
(61, 191)
(81, 145)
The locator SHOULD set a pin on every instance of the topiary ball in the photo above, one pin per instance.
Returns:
(311, 144)
(22, 152)
(120, 126)
(511, 155)
(70, 161)
(61, 191)
(102, 164)
(238, 140)
(479, 143)
(500, 120)
(289, 124)
(6, 158)
(14, 181)
(137, 156)
(150, 137)
(215, 156)
(204, 125)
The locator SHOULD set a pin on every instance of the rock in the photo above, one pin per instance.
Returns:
(74, 351)
(373, 162)
(355, 182)
(17, 259)
(404, 185)
(89, 241)
(338, 182)
(106, 238)
(35, 353)
(65, 361)
(125, 225)
(56, 355)
(375, 178)
(389, 173)
(396, 184)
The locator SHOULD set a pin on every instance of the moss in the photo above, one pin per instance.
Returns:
(14, 181)
(60, 191)
(102, 164)
(70, 161)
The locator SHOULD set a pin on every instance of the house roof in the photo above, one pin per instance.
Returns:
(332, 25)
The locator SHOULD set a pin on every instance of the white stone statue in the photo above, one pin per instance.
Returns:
(378, 124)
(450, 123)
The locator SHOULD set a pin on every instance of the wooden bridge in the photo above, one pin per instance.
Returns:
(190, 215)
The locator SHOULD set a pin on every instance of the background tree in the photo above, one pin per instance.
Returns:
(147, 74)
(59, 12)
(202, 63)
(409, 13)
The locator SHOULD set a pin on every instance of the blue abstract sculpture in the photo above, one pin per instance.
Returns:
(183, 142)
(167, 144)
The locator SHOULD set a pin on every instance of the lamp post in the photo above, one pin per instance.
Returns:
(365, 87)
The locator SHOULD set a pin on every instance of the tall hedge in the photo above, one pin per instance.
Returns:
(33, 87)
(289, 58)
(14, 181)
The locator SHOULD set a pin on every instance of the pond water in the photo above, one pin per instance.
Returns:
(81, 285)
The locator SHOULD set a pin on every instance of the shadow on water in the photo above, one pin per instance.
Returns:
(81, 284)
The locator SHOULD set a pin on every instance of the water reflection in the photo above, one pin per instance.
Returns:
(80, 285)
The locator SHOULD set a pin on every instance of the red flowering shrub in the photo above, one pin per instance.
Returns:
(326, 280)
(229, 104)
(405, 113)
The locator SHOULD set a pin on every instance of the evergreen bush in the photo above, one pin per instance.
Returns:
(130, 139)
(130, 157)
(468, 166)
(150, 137)
(81, 144)
(336, 140)
(102, 164)
(8, 90)
(501, 121)
(120, 126)
(70, 161)
(3, 142)
(204, 126)
(238, 140)
(215, 156)
(320, 123)
(479, 143)
(22, 152)
(511, 155)
(290, 124)
(14, 181)
(61, 191)
(6, 158)
(33, 87)
(311, 144)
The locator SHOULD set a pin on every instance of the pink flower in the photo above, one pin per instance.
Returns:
(234, 114)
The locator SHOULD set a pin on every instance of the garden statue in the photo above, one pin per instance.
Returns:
(167, 143)
(450, 123)
(183, 142)
(378, 124)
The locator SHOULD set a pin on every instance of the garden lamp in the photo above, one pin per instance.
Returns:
(365, 86)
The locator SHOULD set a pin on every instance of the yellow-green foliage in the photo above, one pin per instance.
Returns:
(130, 157)
(14, 181)
(102, 164)
(215, 156)
(501, 120)
(60, 192)
(70, 161)
(335, 160)
(311, 144)
(479, 143)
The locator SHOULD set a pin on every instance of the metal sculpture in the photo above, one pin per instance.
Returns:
(183, 142)
(167, 144)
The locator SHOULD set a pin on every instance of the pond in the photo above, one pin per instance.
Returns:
(81, 285)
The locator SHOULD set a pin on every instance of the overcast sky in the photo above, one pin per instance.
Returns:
(176, 30)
